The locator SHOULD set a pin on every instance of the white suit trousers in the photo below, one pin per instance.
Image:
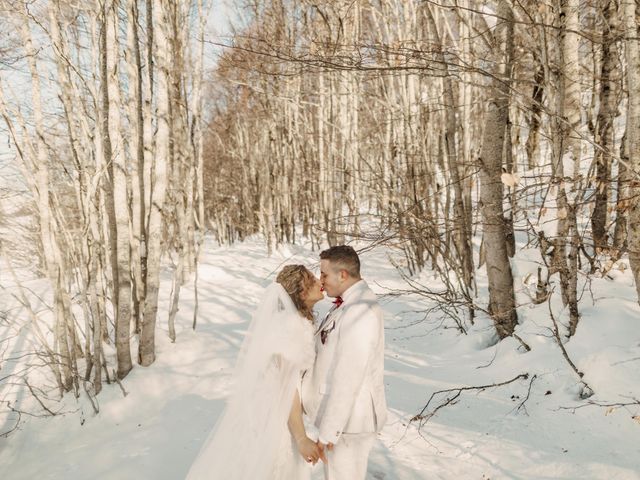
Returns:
(349, 457)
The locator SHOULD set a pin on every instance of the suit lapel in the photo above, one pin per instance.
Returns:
(332, 311)
(325, 320)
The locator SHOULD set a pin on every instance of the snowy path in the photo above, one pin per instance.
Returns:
(157, 429)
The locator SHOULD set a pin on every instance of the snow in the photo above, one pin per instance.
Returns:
(156, 430)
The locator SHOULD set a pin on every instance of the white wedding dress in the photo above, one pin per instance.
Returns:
(251, 440)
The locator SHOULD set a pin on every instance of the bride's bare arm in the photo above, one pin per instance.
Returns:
(309, 449)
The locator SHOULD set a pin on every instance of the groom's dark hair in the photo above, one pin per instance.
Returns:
(344, 257)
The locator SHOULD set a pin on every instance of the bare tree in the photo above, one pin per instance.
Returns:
(501, 293)
(608, 111)
(632, 55)
(99, 193)
(382, 108)
(146, 351)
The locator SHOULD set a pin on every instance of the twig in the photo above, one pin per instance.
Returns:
(425, 418)
(522, 342)
(8, 432)
(626, 361)
(124, 392)
(591, 403)
(527, 397)
(447, 300)
(556, 334)
(38, 398)
(94, 402)
(495, 354)
(587, 391)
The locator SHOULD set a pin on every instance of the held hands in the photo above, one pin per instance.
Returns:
(310, 450)
(328, 446)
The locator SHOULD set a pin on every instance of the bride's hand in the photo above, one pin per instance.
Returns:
(309, 450)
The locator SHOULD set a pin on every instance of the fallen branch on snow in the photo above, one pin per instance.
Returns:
(424, 418)
(586, 391)
(521, 405)
(610, 406)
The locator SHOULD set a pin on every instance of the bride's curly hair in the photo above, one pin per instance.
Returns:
(297, 279)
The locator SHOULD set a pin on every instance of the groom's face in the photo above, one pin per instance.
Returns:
(332, 278)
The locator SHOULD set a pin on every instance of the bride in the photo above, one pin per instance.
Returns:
(260, 435)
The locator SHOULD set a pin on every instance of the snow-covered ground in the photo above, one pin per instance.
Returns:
(156, 430)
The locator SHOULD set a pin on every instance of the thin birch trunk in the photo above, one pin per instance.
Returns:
(621, 228)
(122, 287)
(500, 277)
(198, 145)
(136, 147)
(146, 352)
(632, 55)
(568, 154)
(107, 152)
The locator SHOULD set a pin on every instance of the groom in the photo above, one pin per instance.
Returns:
(344, 393)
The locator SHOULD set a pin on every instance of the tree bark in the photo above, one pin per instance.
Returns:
(632, 54)
(146, 351)
(605, 128)
(136, 148)
(500, 277)
(122, 286)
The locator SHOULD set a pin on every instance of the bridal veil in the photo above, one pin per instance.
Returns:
(245, 441)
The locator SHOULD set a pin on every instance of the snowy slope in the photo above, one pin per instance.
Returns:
(156, 430)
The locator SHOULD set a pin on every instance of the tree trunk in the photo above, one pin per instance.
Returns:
(122, 286)
(107, 152)
(632, 54)
(136, 149)
(605, 129)
(500, 277)
(146, 352)
(620, 235)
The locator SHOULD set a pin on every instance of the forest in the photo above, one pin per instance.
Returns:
(456, 134)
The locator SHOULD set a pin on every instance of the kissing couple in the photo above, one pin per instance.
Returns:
(291, 365)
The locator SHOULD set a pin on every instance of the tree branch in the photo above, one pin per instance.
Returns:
(424, 418)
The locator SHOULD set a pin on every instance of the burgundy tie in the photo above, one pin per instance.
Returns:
(338, 301)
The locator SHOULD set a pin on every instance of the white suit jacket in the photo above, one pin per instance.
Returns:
(344, 392)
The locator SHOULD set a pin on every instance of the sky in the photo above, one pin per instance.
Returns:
(217, 29)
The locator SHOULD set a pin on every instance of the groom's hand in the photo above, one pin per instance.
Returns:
(321, 447)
